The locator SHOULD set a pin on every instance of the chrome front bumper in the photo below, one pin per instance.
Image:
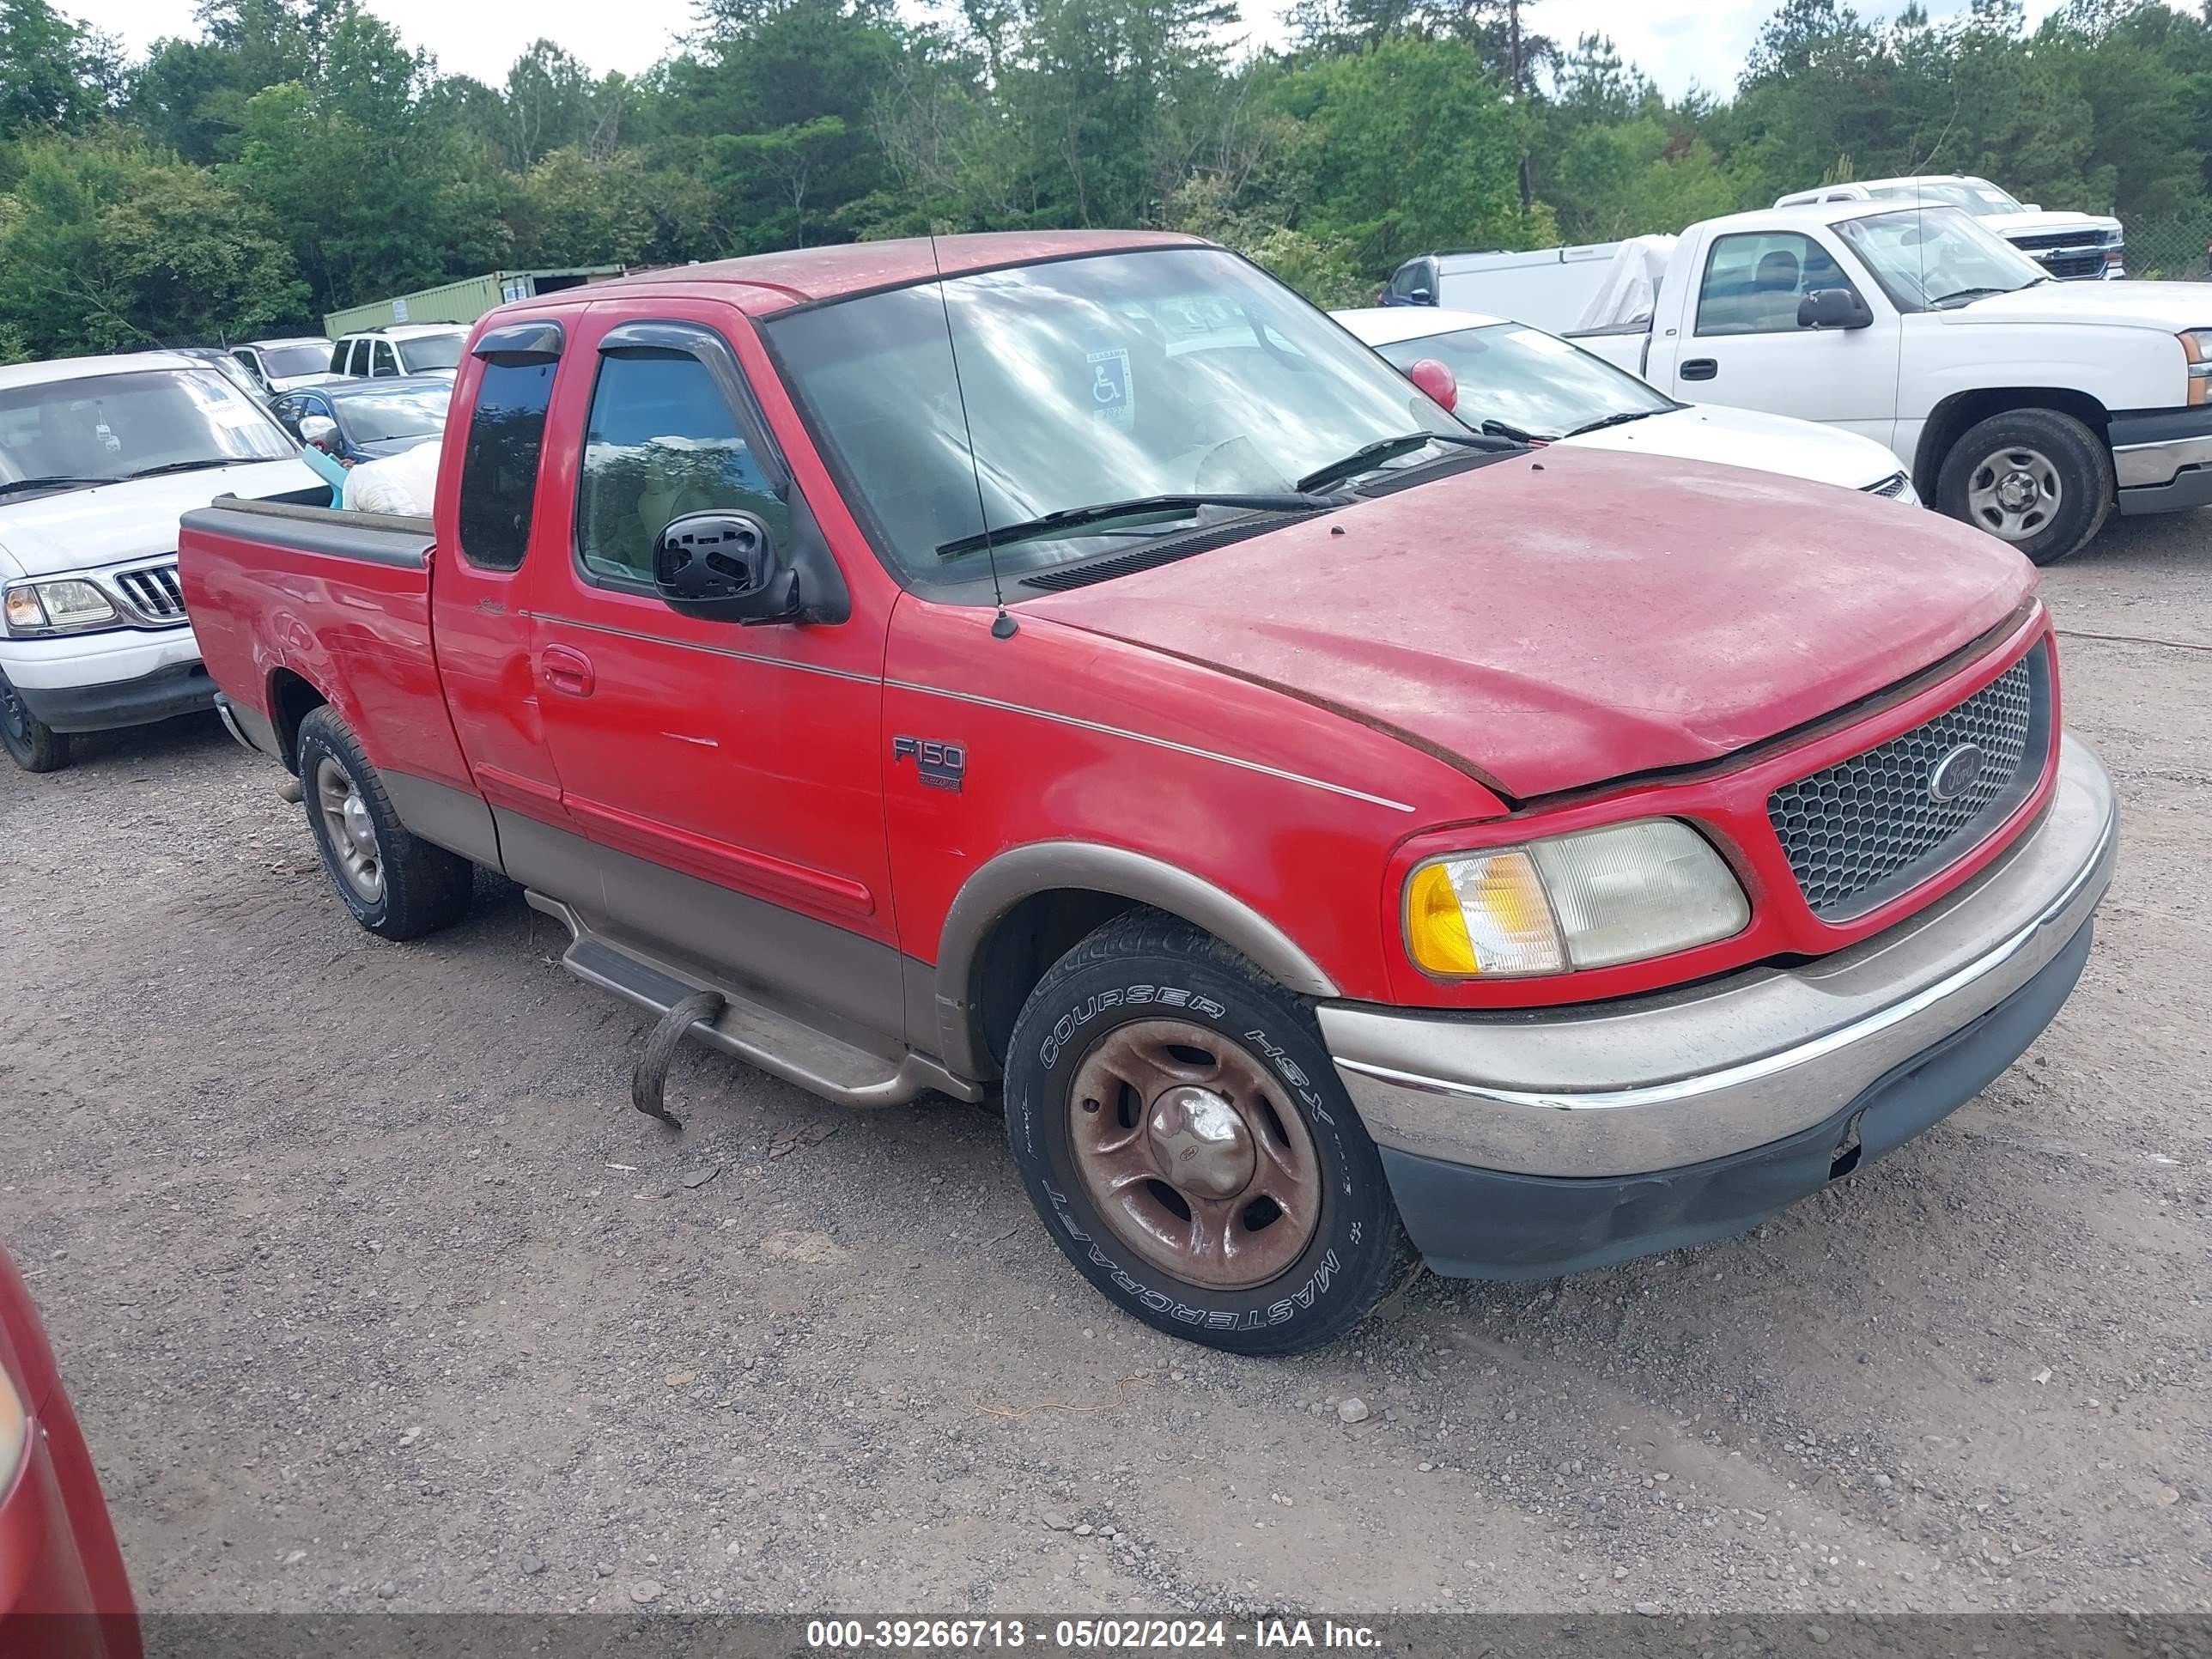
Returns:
(1664, 1082)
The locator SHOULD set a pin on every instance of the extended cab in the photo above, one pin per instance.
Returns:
(99, 456)
(2027, 407)
(1069, 669)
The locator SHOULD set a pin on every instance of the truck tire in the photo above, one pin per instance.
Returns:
(396, 884)
(1183, 1134)
(30, 742)
(2034, 478)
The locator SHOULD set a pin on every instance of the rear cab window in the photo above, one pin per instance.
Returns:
(507, 443)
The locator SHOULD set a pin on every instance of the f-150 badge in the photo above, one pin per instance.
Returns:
(939, 765)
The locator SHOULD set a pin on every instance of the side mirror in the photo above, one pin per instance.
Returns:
(319, 430)
(2032, 207)
(724, 567)
(1420, 296)
(1833, 308)
(1437, 380)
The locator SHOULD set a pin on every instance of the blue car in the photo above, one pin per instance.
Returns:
(368, 420)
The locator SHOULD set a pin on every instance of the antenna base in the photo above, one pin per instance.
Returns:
(1003, 626)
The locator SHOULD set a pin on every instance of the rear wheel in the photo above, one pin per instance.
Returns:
(1182, 1132)
(396, 884)
(2034, 478)
(30, 742)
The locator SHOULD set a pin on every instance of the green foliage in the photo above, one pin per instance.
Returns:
(108, 246)
(296, 155)
(1409, 146)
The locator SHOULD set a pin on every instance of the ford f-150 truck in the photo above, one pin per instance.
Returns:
(1070, 670)
(2027, 407)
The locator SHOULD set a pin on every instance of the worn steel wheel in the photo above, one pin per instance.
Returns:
(30, 742)
(1184, 1135)
(2014, 493)
(1192, 1161)
(2035, 478)
(349, 831)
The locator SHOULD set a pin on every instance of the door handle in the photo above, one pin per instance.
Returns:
(1700, 369)
(566, 670)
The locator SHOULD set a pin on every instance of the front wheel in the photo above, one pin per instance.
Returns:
(1182, 1132)
(30, 742)
(2034, 478)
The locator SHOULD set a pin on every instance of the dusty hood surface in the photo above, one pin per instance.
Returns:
(114, 524)
(1573, 616)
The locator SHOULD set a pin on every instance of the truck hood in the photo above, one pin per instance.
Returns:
(1570, 616)
(2168, 307)
(1744, 437)
(2046, 222)
(114, 524)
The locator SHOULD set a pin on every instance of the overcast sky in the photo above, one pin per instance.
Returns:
(1675, 42)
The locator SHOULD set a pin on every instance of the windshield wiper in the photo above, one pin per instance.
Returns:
(1621, 419)
(1368, 457)
(1967, 295)
(181, 466)
(58, 481)
(1072, 519)
(1501, 429)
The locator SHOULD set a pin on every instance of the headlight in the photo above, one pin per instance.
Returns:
(57, 607)
(14, 1433)
(1588, 900)
(2197, 346)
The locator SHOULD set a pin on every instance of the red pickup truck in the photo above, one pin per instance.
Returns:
(1070, 669)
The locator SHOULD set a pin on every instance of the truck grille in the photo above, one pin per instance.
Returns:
(1862, 831)
(1893, 486)
(153, 593)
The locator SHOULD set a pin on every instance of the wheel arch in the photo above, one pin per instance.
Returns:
(292, 698)
(1950, 419)
(1025, 909)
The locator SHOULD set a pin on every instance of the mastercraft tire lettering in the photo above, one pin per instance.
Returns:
(1182, 1134)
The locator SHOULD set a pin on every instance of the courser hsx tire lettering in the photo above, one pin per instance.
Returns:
(1153, 1050)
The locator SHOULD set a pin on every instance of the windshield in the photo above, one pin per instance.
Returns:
(1977, 195)
(380, 414)
(432, 351)
(1111, 378)
(103, 427)
(1528, 378)
(282, 362)
(1937, 257)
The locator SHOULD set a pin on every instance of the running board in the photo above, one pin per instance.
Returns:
(774, 1042)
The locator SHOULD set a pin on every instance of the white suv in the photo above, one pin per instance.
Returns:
(99, 457)
(401, 348)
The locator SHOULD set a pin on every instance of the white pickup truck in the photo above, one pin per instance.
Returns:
(2027, 407)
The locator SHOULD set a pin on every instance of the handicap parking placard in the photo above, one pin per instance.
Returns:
(1109, 392)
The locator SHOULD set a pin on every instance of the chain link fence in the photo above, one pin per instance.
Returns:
(2172, 247)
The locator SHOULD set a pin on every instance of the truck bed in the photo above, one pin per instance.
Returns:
(285, 597)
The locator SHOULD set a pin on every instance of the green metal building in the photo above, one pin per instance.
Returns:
(463, 301)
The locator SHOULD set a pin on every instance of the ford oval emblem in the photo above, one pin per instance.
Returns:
(1954, 774)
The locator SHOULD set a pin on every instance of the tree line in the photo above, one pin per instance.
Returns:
(298, 155)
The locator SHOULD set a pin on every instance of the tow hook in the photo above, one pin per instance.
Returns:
(649, 1082)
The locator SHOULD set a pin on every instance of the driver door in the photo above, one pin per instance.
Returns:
(730, 777)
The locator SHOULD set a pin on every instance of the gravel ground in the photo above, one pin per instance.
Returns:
(373, 1292)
